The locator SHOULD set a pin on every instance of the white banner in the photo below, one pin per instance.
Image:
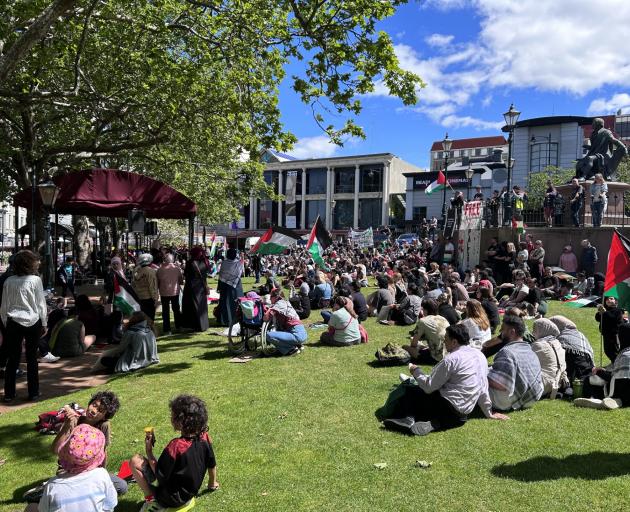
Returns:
(469, 239)
(362, 238)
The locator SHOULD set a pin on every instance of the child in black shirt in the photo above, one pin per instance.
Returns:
(181, 468)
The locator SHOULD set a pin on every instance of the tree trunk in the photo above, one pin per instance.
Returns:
(82, 240)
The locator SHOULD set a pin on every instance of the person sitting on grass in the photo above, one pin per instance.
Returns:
(613, 389)
(138, 348)
(381, 297)
(84, 485)
(446, 310)
(551, 357)
(444, 399)
(100, 410)
(175, 478)
(477, 324)
(427, 342)
(343, 326)
(289, 334)
(404, 313)
(515, 378)
(578, 351)
(358, 301)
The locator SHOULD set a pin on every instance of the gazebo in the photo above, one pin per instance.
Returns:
(113, 193)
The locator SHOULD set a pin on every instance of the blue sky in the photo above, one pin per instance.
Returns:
(548, 57)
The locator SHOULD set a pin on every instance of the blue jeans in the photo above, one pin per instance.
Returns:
(326, 316)
(575, 213)
(598, 209)
(284, 341)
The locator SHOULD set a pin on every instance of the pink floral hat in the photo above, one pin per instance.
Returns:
(84, 450)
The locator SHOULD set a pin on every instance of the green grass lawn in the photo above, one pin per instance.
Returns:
(299, 434)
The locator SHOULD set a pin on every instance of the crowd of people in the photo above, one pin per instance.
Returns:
(453, 313)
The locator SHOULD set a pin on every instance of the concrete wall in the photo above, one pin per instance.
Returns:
(554, 239)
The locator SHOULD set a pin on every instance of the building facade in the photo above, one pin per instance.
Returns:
(465, 148)
(7, 223)
(346, 192)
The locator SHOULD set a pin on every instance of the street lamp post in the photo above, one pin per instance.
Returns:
(470, 172)
(3, 212)
(446, 147)
(511, 118)
(48, 192)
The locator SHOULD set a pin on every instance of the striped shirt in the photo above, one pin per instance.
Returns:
(23, 301)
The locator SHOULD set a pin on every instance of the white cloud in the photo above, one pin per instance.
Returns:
(486, 101)
(439, 40)
(445, 5)
(601, 106)
(453, 121)
(314, 147)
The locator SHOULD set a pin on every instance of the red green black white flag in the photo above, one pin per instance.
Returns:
(617, 283)
(275, 241)
(318, 240)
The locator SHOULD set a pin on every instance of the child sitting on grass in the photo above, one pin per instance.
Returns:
(181, 468)
(102, 407)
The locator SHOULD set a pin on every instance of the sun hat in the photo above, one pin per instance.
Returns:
(84, 450)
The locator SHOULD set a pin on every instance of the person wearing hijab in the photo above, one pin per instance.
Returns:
(230, 288)
(579, 353)
(195, 295)
(551, 356)
(116, 275)
(145, 284)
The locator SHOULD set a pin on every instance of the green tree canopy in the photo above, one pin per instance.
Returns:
(183, 90)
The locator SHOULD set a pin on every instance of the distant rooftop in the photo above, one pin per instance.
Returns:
(477, 142)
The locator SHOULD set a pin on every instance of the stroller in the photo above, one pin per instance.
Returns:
(248, 331)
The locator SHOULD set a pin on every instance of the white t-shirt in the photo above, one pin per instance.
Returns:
(91, 491)
(477, 336)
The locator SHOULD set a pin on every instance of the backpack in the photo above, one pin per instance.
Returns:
(392, 355)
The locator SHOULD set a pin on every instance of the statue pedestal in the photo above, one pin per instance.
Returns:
(614, 214)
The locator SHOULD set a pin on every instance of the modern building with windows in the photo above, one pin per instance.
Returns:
(346, 192)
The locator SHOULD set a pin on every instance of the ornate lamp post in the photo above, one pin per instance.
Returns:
(48, 192)
(470, 172)
(446, 147)
(511, 118)
(3, 212)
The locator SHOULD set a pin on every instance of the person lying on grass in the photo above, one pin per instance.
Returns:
(84, 485)
(176, 477)
(100, 410)
(444, 399)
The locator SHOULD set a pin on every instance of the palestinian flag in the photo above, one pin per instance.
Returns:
(125, 298)
(580, 302)
(213, 246)
(617, 282)
(518, 225)
(318, 240)
(275, 241)
(439, 184)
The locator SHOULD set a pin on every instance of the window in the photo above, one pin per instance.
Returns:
(371, 178)
(343, 214)
(370, 213)
(298, 181)
(478, 152)
(622, 127)
(419, 213)
(265, 213)
(344, 180)
(313, 209)
(543, 155)
(316, 181)
(292, 214)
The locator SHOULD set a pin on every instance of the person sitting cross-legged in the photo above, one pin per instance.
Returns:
(444, 399)
(515, 378)
(289, 334)
(427, 344)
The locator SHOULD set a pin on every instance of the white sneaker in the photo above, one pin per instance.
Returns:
(49, 358)
(590, 403)
(611, 403)
(404, 377)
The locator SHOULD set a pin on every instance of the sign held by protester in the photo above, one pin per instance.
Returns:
(362, 238)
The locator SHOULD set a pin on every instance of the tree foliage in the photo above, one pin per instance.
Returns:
(183, 90)
(538, 184)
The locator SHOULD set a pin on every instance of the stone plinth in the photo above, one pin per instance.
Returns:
(614, 214)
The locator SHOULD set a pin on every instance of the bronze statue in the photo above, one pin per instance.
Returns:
(604, 153)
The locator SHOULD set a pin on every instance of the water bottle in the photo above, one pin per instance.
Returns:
(577, 388)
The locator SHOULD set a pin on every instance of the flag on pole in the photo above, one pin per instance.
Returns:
(318, 240)
(580, 302)
(213, 245)
(439, 184)
(275, 241)
(617, 283)
(125, 298)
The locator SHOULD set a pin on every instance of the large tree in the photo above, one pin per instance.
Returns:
(182, 90)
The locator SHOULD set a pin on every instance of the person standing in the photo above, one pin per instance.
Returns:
(195, 296)
(599, 199)
(3, 346)
(257, 267)
(146, 286)
(549, 202)
(537, 260)
(66, 276)
(170, 280)
(230, 288)
(576, 201)
(588, 258)
(24, 314)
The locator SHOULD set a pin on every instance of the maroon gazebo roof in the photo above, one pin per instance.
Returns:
(112, 193)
